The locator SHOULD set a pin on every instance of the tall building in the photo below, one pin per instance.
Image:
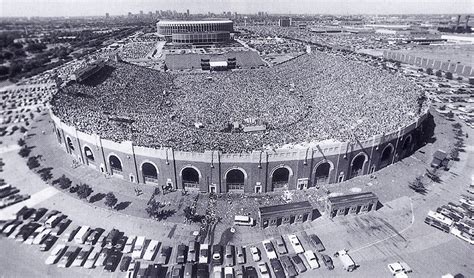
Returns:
(187, 12)
(107, 15)
(284, 22)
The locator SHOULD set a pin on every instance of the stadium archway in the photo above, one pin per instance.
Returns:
(235, 179)
(322, 173)
(385, 158)
(190, 177)
(115, 164)
(281, 177)
(89, 154)
(357, 165)
(407, 146)
(149, 172)
(69, 143)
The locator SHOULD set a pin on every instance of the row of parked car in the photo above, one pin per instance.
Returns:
(10, 195)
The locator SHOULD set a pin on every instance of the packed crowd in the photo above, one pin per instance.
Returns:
(311, 98)
(136, 50)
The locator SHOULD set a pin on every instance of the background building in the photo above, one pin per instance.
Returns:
(196, 32)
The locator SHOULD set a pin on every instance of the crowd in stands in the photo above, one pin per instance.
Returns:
(311, 98)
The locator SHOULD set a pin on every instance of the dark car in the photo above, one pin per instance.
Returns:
(164, 254)
(181, 254)
(26, 231)
(94, 236)
(112, 260)
(121, 243)
(73, 234)
(38, 214)
(217, 254)
(8, 192)
(12, 227)
(202, 271)
(112, 237)
(142, 271)
(298, 263)
(47, 216)
(177, 271)
(7, 224)
(153, 270)
(48, 243)
(288, 266)
(62, 225)
(25, 213)
(250, 272)
(277, 268)
(317, 243)
(327, 262)
(125, 262)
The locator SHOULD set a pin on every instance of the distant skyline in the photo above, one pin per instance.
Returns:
(49, 8)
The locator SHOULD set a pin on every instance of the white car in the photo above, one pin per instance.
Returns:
(138, 248)
(255, 253)
(268, 246)
(90, 262)
(151, 250)
(311, 259)
(264, 272)
(204, 253)
(41, 236)
(131, 269)
(217, 270)
(399, 269)
(129, 244)
(295, 243)
(56, 254)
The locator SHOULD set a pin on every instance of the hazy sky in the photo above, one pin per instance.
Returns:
(118, 7)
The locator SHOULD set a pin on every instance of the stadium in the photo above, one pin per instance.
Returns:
(196, 32)
(317, 119)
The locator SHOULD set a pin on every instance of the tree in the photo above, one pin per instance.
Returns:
(457, 125)
(84, 190)
(21, 142)
(45, 174)
(110, 200)
(418, 185)
(439, 73)
(24, 151)
(32, 162)
(64, 182)
(153, 209)
(429, 71)
(449, 75)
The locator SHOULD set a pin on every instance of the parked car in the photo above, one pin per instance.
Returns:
(142, 272)
(240, 255)
(239, 271)
(5, 225)
(229, 255)
(277, 268)
(9, 192)
(54, 220)
(62, 225)
(316, 243)
(192, 252)
(281, 246)
(217, 254)
(69, 256)
(94, 236)
(56, 254)
(268, 246)
(228, 272)
(48, 243)
(181, 254)
(16, 230)
(92, 258)
(202, 270)
(124, 263)
(288, 266)
(255, 253)
(295, 243)
(327, 262)
(112, 237)
(264, 271)
(69, 235)
(153, 270)
(82, 256)
(47, 216)
(11, 228)
(151, 250)
(133, 268)
(138, 248)
(25, 213)
(38, 214)
(298, 262)
(102, 256)
(112, 260)
(26, 231)
(122, 240)
(34, 234)
(129, 244)
(217, 271)
(13, 199)
(250, 272)
(188, 270)
(204, 254)
(177, 271)
(164, 255)
(311, 259)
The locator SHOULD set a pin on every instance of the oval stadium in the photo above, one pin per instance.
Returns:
(319, 118)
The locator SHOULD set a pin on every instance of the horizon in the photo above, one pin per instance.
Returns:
(90, 8)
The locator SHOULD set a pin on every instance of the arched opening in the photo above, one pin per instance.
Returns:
(69, 143)
(235, 180)
(386, 154)
(407, 143)
(115, 164)
(280, 178)
(88, 153)
(149, 171)
(357, 165)
(321, 175)
(190, 177)
(58, 134)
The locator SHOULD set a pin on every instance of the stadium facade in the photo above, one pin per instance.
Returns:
(256, 172)
(196, 32)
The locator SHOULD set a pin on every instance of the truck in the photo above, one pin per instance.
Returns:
(347, 262)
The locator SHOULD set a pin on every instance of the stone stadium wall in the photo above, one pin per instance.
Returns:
(263, 171)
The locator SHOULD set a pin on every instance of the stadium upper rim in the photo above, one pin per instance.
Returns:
(183, 22)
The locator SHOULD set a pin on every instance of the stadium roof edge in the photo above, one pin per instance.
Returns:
(193, 21)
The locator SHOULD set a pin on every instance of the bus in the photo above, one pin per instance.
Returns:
(241, 220)
(439, 221)
(81, 235)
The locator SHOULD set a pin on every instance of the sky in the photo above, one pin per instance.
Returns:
(122, 7)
